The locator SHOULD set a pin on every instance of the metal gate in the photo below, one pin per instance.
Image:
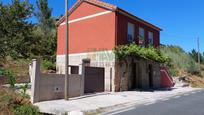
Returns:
(94, 80)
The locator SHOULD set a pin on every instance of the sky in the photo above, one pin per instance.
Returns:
(182, 21)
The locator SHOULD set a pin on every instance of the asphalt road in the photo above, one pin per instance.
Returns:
(191, 103)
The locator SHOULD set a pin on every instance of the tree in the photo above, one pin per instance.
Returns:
(194, 55)
(44, 15)
(45, 31)
(21, 39)
(15, 31)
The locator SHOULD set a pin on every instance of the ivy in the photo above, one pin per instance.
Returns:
(133, 50)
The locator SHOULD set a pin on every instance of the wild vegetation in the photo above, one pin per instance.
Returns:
(20, 38)
(20, 41)
(180, 60)
(12, 103)
(185, 64)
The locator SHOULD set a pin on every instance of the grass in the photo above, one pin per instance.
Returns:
(19, 67)
(12, 103)
(197, 82)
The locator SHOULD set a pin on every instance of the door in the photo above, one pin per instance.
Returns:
(94, 80)
(150, 76)
(136, 80)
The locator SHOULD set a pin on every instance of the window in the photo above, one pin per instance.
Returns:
(150, 38)
(141, 36)
(131, 32)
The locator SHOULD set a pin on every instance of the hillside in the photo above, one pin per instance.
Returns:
(182, 64)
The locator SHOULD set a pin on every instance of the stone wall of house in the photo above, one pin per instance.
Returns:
(104, 59)
(156, 75)
(124, 74)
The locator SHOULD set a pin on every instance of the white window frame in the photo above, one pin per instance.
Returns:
(131, 32)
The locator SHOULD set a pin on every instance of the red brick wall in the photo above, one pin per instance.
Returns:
(94, 33)
(122, 22)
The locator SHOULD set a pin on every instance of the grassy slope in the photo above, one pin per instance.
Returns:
(184, 65)
(19, 66)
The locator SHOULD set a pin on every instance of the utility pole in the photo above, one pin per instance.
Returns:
(198, 43)
(66, 86)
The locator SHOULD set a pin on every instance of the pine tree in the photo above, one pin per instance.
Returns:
(15, 31)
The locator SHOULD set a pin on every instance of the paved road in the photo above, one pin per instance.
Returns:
(191, 103)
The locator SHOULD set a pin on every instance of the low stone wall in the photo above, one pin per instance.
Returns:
(46, 87)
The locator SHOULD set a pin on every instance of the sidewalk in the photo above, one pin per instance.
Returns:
(104, 100)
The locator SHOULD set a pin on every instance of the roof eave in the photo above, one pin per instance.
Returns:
(123, 12)
(112, 8)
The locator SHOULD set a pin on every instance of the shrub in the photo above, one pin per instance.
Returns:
(173, 71)
(48, 65)
(24, 88)
(11, 103)
(11, 78)
(26, 109)
(179, 59)
(134, 50)
(2, 71)
(192, 67)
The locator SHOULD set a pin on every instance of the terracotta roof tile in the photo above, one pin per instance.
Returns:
(104, 4)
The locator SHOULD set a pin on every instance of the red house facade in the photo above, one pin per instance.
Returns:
(95, 28)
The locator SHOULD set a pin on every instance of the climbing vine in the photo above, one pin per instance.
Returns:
(133, 50)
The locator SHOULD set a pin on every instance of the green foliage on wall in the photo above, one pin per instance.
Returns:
(134, 50)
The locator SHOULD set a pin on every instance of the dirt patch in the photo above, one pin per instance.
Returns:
(4, 80)
(196, 81)
(19, 67)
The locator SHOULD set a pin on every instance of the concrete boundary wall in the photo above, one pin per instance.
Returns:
(104, 59)
(51, 86)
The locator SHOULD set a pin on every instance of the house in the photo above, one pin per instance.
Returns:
(95, 28)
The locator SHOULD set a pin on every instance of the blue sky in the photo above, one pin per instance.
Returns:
(182, 21)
